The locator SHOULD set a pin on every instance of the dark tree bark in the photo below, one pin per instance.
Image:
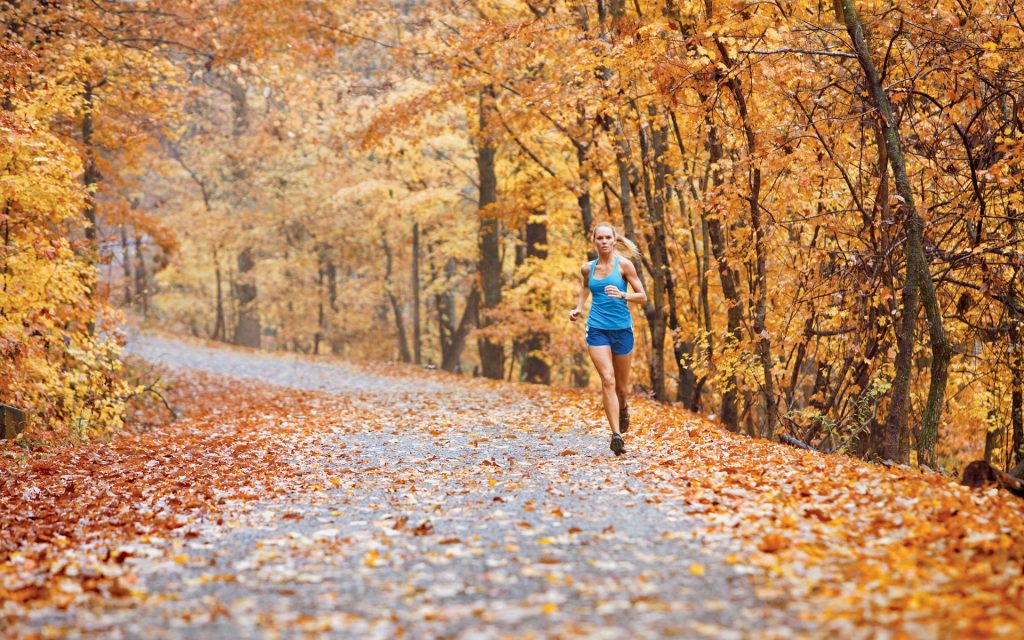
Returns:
(705, 307)
(331, 269)
(535, 367)
(444, 303)
(729, 278)
(220, 324)
(993, 436)
(396, 308)
(451, 358)
(321, 293)
(918, 274)
(688, 387)
(492, 353)
(90, 178)
(12, 421)
(141, 285)
(654, 146)
(899, 402)
(760, 293)
(91, 175)
(627, 177)
(126, 266)
(682, 349)
(247, 327)
(583, 195)
(247, 322)
(417, 355)
(1016, 396)
(616, 9)
(887, 432)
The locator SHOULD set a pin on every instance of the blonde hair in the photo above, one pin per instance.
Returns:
(624, 247)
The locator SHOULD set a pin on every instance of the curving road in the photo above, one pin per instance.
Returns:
(469, 511)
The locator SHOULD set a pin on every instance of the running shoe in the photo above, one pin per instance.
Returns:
(618, 446)
(624, 419)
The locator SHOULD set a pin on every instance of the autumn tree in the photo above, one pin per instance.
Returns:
(416, 181)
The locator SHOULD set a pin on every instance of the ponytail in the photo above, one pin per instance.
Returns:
(624, 247)
(627, 246)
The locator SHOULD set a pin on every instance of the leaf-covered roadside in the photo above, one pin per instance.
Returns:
(853, 545)
(436, 506)
(850, 547)
(66, 511)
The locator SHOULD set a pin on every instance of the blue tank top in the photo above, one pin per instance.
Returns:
(606, 312)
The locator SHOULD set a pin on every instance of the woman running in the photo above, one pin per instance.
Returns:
(609, 325)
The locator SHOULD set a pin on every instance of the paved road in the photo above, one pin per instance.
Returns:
(473, 513)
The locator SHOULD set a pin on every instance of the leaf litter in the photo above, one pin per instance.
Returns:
(459, 536)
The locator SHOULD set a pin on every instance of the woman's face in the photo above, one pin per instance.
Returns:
(604, 240)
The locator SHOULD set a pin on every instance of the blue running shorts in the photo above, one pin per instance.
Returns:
(620, 340)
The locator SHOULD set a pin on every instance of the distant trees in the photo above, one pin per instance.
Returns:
(751, 152)
(417, 181)
(747, 149)
(82, 95)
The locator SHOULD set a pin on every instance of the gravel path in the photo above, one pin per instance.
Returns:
(487, 529)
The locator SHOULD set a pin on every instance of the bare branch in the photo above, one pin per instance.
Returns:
(825, 52)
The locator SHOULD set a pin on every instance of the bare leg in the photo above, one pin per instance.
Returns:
(602, 357)
(621, 366)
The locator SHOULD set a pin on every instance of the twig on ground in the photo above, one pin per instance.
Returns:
(151, 389)
(793, 442)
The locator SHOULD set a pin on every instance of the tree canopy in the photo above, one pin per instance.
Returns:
(826, 197)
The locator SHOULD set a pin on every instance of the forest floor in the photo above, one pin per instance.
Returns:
(297, 496)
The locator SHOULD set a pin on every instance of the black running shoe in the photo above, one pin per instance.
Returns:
(624, 419)
(618, 446)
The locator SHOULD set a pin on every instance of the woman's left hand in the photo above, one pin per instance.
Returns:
(614, 292)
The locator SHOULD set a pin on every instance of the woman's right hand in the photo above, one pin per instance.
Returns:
(574, 314)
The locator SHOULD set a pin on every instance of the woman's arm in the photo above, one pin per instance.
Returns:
(584, 292)
(638, 296)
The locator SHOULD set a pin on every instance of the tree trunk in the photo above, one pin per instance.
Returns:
(583, 194)
(1016, 455)
(91, 175)
(535, 366)
(451, 358)
(396, 309)
(993, 436)
(682, 348)
(690, 387)
(13, 421)
(126, 266)
(247, 321)
(247, 327)
(705, 307)
(492, 353)
(321, 315)
(617, 9)
(444, 302)
(624, 164)
(331, 270)
(918, 273)
(417, 355)
(141, 287)
(654, 150)
(220, 324)
(761, 336)
(883, 433)
(729, 278)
